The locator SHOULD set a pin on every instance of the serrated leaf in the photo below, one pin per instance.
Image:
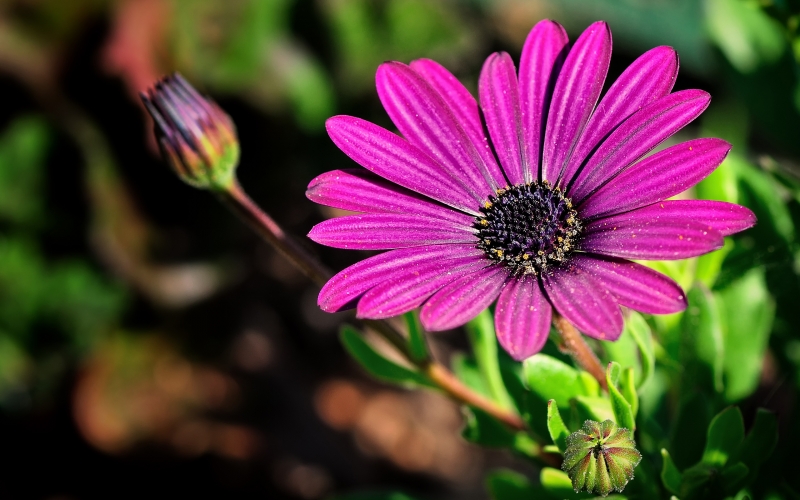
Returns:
(377, 365)
(482, 336)
(725, 435)
(417, 343)
(670, 475)
(558, 431)
(623, 413)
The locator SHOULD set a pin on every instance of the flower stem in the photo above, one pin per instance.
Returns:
(580, 350)
(241, 204)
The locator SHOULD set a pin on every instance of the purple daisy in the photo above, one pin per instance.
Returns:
(545, 213)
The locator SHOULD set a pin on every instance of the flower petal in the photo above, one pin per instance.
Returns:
(542, 57)
(362, 191)
(657, 177)
(461, 102)
(575, 95)
(637, 135)
(499, 95)
(584, 302)
(341, 291)
(651, 233)
(394, 159)
(409, 290)
(634, 285)
(522, 318)
(422, 116)
(723, 217)
(388, 231)
(463, 299)
(648, 78)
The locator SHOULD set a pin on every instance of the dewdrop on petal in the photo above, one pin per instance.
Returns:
(197, 138)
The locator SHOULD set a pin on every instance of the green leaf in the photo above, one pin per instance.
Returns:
(481, 428)
(558, 431)
(733, 477)
(725, 435)
(510, 485)
(765, 192)
(670, 475)
(466, 370)
(558, 484)
(747, 36)
(640, 331)
(484, 346)
(628, 390)
(759, 442)
(23, 148)
(702, 348)
(552, 379)
(689, 430)
(709, 265)
(589, 408)
(748, 311)
(623, 413)
(377, 365)
(417, 343)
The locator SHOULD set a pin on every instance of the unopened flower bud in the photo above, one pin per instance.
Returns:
(196, 137)
(600, 458)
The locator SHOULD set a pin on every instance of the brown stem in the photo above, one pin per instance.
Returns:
(241, 204)
(580, 350)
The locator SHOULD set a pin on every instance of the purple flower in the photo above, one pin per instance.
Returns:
(545, 213)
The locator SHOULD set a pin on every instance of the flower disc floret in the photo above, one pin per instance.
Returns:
(529, 228)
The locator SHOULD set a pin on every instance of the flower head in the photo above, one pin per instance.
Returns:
(546, 213)
(600, 457)
(195, 135)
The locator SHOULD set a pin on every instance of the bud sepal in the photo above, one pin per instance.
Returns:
(600, 458)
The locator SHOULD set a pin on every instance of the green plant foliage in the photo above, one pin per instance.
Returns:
(485, 348)
(555, 425)
(376, 364)
(417, 343)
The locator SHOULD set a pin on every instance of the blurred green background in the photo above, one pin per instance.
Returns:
(150, 345)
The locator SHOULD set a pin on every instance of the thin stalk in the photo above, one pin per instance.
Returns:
(241, 204)
(580, 350)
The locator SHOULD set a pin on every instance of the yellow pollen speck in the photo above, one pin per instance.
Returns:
(486, 241)
(540, 252)
(526, 256)
(690, 148)
(560, 239)
(680, 236)
(484, 222)
(487, 204)
(499, 252)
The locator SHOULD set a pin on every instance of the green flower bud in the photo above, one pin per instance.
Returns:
(600, 458)
(196, 137)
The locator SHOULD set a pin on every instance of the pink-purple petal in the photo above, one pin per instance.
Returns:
(522, 318)
(362, 191)
(584, 302)
(388, 231)
(350, 284)
(460, 101)
(499, 95)
(651, 233)
(542, 57)
(634, 285)
(407, 291)
(648, 78)
(463, 299)
(636, 136)
(423, 117)
(657, 177)
(577, 89)
(394, 159)
(723, 217)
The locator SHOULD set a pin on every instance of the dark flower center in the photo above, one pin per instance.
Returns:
(530, 228)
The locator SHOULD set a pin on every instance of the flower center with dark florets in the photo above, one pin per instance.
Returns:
(530, 228)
